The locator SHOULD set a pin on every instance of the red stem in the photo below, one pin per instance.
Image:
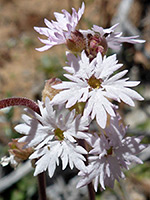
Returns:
(41, 186)
(19, 101)
(90, 185)
(91, 191)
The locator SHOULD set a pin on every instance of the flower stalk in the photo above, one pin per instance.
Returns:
(42, 186)
(91, 191)
(90, 187)
(19, 101)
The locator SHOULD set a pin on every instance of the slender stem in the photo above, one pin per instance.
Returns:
(19, 101)
(90, 185)
(91, 191)
(42, 186)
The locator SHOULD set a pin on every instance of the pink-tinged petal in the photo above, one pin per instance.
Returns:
(131, 39)
(104, 31)
(48, 24)
(47, 42)
(59, 17)
(73, 62)
(98, 29)
(44, 48)
(115, 40)
(42, 31)
(111, 29)
(60, 37)
(81, 11)
(60, 30)
(67, 15)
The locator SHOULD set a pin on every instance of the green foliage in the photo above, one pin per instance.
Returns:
(145, 125)
(141, 171)
(17, 195)
(25, 189)
(51, 66)
(97, 197)
(27, 41)
(9, 114)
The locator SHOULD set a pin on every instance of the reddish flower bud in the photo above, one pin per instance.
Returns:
(17, 149)
(77, 42)
(48, 90)
(96, 44)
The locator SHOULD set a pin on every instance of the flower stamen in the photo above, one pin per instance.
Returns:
(59, 134)
(94, 82)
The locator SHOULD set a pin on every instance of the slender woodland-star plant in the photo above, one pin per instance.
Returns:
(58, 128)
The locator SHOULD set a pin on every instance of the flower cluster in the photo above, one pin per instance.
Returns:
(111, 152)
(63, 31)
(59, 32)
(93, 83)
(54, 135)
(69, 108)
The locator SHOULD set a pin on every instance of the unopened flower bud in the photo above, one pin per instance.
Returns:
(17, 149)
(48, 90)
(77, 42)
(96, 44)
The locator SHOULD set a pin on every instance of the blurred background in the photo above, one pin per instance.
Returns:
(23, 72)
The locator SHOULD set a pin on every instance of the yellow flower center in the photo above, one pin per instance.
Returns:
(59, 134)
(94, 82)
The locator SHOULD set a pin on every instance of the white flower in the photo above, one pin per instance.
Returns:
(93, 83)
(115, 39)
(112, 152)
(57, 32)
(53, 135)
(9, 160)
